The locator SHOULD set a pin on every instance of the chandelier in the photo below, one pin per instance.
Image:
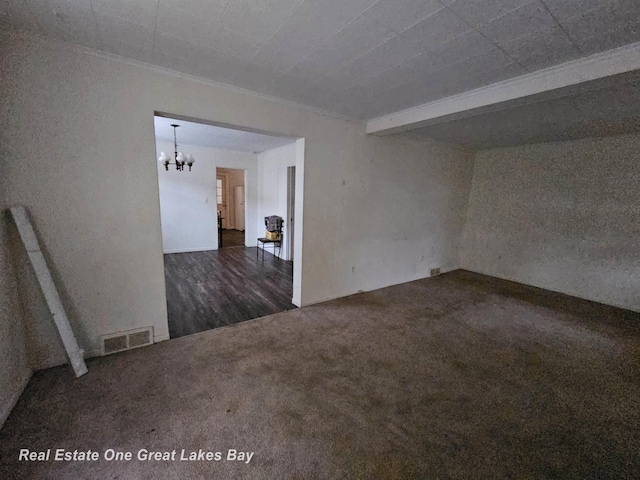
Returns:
(180, 159)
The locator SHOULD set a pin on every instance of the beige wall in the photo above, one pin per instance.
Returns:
(562, 216)
(15, 369)
(78, 127)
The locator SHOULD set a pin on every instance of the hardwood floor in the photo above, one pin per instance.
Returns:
(232, 238)
(211, 289)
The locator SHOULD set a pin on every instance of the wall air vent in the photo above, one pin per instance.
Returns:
(121, 341)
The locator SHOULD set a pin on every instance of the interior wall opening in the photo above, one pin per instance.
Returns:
(230, 201)
(217, 187)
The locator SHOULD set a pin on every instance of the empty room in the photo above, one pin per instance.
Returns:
(452, 203)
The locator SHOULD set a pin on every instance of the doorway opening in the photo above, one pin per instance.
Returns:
(213, 215)
(230, 201)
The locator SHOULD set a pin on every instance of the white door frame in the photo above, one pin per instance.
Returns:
(298, 227)
(291, 208)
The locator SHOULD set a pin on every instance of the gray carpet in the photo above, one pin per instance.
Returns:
(458, 376)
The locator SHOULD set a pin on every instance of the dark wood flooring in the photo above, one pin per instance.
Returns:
(232, 238)
(211, 289)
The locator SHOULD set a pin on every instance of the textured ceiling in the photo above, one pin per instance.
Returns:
(600, 108)
(359, 58)
(190, 133)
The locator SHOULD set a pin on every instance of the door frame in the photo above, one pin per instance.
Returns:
(299, 198)
(291, 209)
(225, 196)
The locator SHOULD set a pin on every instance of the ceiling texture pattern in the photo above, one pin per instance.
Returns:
(600, 108)
(355, 58)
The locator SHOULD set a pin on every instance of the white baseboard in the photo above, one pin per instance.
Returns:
(186, 250)
(5, 410)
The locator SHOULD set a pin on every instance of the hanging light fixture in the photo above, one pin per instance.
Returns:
(180, 159)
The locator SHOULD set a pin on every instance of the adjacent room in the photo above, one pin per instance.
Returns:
(319, 239)
(212, 210)
(230, 200)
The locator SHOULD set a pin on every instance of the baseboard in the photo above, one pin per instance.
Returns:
(187, 250)
(6, 409)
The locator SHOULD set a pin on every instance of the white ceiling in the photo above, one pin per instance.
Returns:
(359, 58)
(356, 58)
(216, 137)
(605, 107)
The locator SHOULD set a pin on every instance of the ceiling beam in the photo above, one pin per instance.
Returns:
(594, 67)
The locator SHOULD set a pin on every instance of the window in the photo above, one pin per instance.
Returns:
(219, 191)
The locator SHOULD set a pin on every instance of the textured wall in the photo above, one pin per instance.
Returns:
(15, 369)
(562, 216)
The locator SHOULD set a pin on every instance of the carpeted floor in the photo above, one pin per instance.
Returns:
(455, 377)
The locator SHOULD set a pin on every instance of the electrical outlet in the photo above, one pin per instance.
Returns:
(434, 271)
